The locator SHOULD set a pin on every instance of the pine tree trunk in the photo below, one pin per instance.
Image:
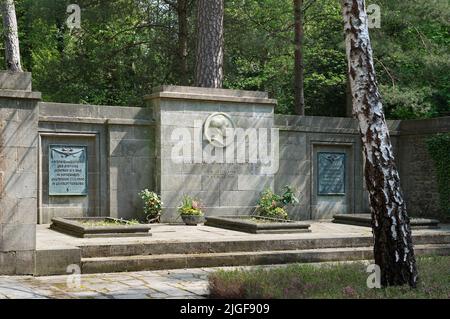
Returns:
(182, 11)
(209, 69)
(393, 249)
(299, 99)
(11, 36)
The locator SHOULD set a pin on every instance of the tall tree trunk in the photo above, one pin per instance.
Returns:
(393, 249)
(182, 11)
(209, 69)
(11, 36)
(299, 98)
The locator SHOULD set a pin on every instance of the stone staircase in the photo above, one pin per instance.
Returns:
(176, 255)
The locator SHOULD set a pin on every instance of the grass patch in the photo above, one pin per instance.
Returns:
(299, 281)
(108, 222)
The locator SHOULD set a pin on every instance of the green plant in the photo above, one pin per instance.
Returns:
(326, 281)
(439, 149)
(190, 207)
(288, 197)
(273, 205)
(152, 204)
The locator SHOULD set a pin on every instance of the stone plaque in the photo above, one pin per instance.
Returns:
(331, 173)
(67, 170)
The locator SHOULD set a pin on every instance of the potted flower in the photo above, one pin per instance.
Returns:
(152, 206)
(191, 211)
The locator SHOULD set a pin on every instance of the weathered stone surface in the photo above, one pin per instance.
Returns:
(245, 224)
(18, 173)
(366, 220)
(15, 81)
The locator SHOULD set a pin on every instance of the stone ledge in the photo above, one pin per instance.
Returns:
(13, 94)
(209, 94)
(309, 129)
(91, 120)
(209, 91)
(130, 122)
(365, 220)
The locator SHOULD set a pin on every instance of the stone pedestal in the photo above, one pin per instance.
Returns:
(18, 173)
(190, 126)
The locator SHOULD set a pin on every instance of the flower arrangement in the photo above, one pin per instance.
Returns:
(273, 205)
(152, 205)
(190, 207)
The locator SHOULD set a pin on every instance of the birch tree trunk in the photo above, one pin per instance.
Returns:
(393, 249)
(209, 69)
(11, 36)
(299, 98)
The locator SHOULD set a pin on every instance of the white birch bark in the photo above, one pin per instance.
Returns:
(393, 248)
(11, 36)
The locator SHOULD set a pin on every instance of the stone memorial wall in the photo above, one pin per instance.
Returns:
(221, 146)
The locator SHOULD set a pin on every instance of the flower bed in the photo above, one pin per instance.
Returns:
(89, 227)
(258, 224)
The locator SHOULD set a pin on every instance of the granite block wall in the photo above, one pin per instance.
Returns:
(18, 178)
(121, 158)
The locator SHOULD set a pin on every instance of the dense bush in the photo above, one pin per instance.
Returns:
(273, 205)
(439, 148)
(152, 205)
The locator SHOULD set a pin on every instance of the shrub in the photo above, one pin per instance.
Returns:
(272, 205)
(152, 205)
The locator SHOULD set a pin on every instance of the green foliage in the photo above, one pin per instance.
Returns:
(439, 149)
(335, 281)
(272, 205)
(412, 57)
(288, 197)
(406, 103)
(126, 47)
(152, 204)
(190, 207)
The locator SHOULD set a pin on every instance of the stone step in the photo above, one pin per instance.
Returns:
(158, 248)
(179, 261)
(366, 220)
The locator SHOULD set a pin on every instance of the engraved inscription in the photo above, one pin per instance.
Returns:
(67, 170)
(331, 173)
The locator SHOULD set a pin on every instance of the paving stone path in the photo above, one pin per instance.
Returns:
(167, 284)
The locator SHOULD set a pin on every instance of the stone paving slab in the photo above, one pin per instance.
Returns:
(161, 284)
(180, 284)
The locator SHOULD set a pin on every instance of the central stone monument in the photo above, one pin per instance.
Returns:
(216, 145)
